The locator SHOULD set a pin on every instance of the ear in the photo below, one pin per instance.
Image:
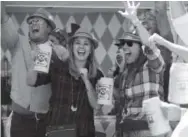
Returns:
(49, 28)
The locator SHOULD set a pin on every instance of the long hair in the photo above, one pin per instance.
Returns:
(91, 64)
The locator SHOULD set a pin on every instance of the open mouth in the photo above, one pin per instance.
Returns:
(35, 29)
(81, 52)
(127, 54)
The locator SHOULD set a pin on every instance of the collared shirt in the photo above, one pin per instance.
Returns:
(66, 91)
(147, 83)
(28, 98)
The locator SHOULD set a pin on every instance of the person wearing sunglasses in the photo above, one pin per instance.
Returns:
(140, 76)
(138, 80)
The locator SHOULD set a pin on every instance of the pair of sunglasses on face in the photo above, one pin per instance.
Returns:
(123, 42)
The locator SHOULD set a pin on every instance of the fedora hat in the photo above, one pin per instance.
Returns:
(41, 12)
(127, 37)
(82, 32)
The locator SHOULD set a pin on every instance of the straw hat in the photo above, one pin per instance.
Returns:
(81, 32)
(128, 36)
(45, 15)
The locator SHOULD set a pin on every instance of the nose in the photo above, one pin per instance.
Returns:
(125, 47)
(34, 22)
(81, 45)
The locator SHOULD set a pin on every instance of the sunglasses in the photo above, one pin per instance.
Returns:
(123, 42)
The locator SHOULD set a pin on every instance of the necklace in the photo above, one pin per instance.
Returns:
(74, 107)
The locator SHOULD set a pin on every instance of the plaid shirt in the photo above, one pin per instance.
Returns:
(147, 83)
(67, 90)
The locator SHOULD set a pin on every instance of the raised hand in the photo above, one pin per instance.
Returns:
(61, 52)
(130, 10)
(84, 73)
(157, 39)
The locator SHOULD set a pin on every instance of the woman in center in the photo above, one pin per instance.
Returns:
(73, 85)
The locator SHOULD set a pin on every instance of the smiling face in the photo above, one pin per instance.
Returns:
(81, 48)
(38, 29)
(131, 51)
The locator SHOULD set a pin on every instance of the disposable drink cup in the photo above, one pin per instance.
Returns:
(158, 124)
(178, 83)
(105, 91)
(43, 58)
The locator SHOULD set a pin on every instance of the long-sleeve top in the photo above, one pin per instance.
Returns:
(145, 84)
(67, 91)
